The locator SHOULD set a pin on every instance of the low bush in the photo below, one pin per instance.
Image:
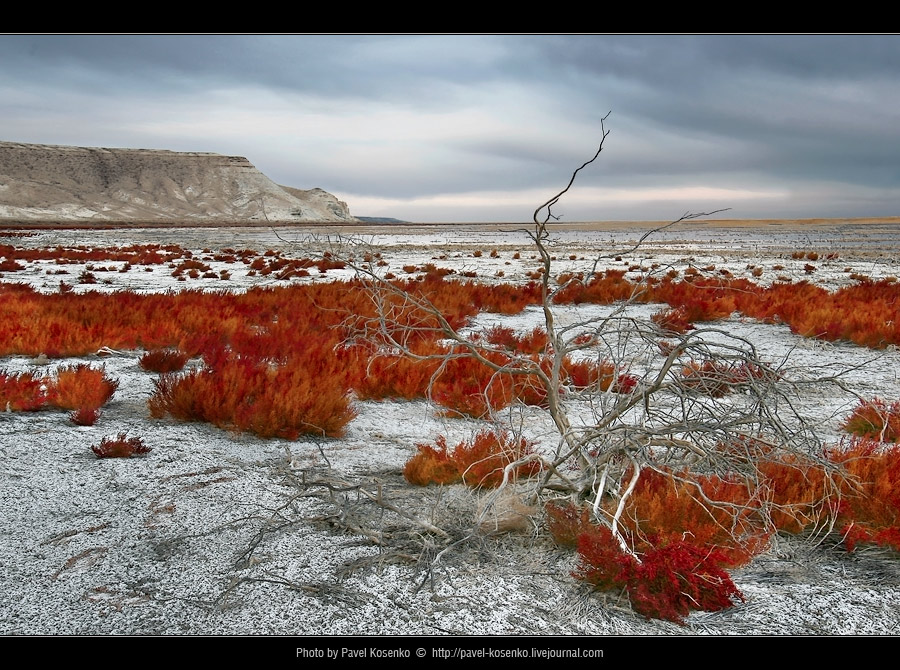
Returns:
(396, 376)
(81, 386)
(665, 581)
(121, 446)
(585, 374)
(85, 416)
(876, 420)
(534, 342)
(22, 392)
(672, 320)
(303, 395)
(711, 378)
(432, 465)
(163, 360)
(465, 386)
(869, 505)
(478, 463)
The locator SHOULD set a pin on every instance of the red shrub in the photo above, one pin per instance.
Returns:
(22, 392)
(120, 447)
(305, 395)
(625, 383)
(432, 465)
(666, 581)
(478, 463)
(465, 386)
(85, 416)
(876, 420)
(163, 360)
(566, 522)
(81, 386)
(672, 320)
(685, 532)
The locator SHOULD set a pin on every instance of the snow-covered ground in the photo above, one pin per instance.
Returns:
(219, 533)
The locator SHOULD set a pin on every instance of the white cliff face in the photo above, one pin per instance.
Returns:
(317, 199)
(59, 183)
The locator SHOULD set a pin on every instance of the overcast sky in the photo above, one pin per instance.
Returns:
(485, 128)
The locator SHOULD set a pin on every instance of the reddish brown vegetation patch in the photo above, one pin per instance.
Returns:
(479, 462)
(121, 446)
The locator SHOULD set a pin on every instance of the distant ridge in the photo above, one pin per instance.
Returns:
(42, 182)
(380, 219)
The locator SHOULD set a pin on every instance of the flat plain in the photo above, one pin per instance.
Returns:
(210, 533)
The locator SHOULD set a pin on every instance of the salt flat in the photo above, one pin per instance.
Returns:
(208, 535)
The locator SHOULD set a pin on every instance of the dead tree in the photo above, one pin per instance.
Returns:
(693, 404)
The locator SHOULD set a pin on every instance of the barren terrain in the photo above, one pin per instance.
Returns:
(215, 532)
(50, 184)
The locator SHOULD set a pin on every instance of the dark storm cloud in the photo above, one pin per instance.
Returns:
(352, 67)
(814, 106)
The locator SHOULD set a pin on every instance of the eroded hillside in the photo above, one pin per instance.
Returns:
(59, 183)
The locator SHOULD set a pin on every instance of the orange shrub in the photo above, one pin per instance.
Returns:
(432, 465)
(482, 460)
(534, 342)
(670, 580)
(602, 290)
(395, 375)
(478, 463)
(710, 378)
(672, 320)
(529, 388)
(22, 392)
(585, 374)
(121, 446)
(163, 360)
(269, 400)
(713, 511)
(869, 508)
(800, 492)
(465, 386)
(875, 419)
(81, 387)
(860, 495)
(699, 299)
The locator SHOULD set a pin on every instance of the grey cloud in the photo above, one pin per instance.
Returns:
(729, 111)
